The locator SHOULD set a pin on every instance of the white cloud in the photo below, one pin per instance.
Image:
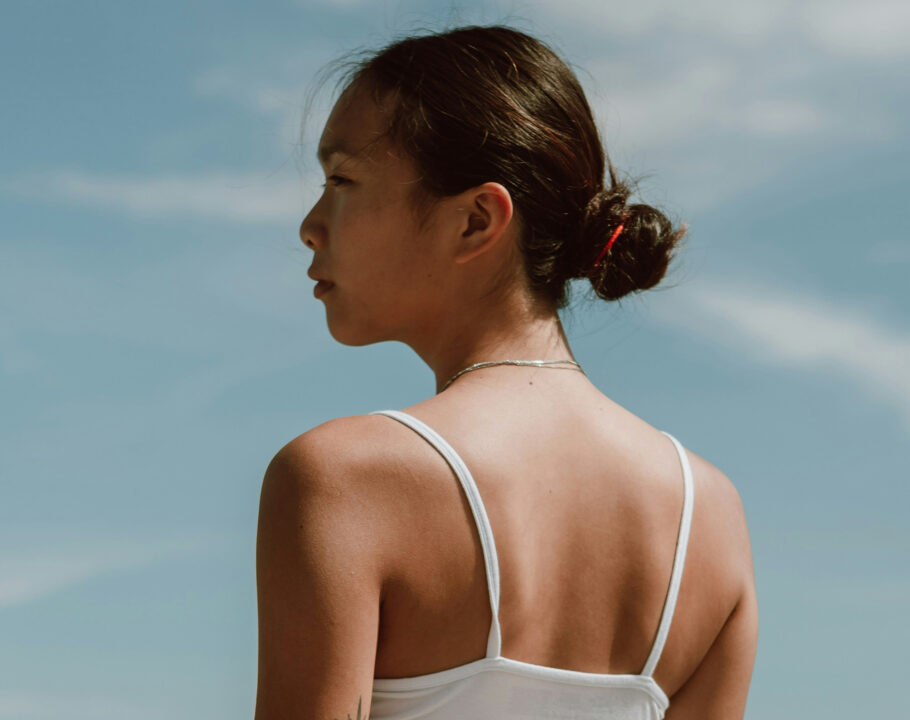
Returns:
(780, 116)
(709, 135)
(708, 95)
(717, 121)
(877, 29)
(801, 331)
(248, 198)
(874, 29)
(741, 21)
(282, 104)
(659, 109)
(27, 578)
(28, 575)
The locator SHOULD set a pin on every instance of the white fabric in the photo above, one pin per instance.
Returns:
(506, 689)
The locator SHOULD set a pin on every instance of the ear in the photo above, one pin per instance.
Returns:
(485, 212)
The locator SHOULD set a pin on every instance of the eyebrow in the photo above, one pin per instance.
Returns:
(326, 151)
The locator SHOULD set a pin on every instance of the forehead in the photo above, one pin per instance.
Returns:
(355, 128)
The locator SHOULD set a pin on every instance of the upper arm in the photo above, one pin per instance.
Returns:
(719, 686)
(318, 585)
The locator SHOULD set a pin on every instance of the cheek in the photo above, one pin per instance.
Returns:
(377, 242)
(385, 243)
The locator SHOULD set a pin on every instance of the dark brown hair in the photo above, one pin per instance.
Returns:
(478, 104)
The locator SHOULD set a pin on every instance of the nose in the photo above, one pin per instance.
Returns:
(311, 232)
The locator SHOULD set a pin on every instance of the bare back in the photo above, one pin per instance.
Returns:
(584, 500)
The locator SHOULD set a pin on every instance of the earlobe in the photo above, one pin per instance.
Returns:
(489, 211)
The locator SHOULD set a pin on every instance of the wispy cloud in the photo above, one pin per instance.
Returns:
(720, 121)
(877, 29)
(271, 94)
(874, 29)
(248, 198)
(651, 109)
(32, 574)
(801, 331)
(712, 17)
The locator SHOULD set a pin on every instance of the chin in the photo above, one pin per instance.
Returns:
(352, 340)
(354, 336)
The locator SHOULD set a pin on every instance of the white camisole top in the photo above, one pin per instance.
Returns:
(496, 687)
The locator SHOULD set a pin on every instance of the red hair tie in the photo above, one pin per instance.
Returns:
(608, 245)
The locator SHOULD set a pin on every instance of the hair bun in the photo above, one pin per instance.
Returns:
(604, 204)
(641, 252)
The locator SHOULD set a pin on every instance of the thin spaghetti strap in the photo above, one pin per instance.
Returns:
(490, 559)
(679, 561)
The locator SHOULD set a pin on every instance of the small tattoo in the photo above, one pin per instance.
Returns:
(359, 706)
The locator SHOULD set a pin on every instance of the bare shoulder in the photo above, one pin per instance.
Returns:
(333, 454)
(719, 516)
(320, 567)
(345, 465)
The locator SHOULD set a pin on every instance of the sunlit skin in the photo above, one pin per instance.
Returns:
(368, 563)
(427, 289)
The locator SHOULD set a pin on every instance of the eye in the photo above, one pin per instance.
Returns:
(336, 180)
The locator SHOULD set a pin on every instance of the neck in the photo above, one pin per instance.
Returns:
(506, 331)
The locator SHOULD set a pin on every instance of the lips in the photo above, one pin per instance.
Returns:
(323, 286)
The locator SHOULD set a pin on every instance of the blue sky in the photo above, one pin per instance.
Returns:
(159, 340)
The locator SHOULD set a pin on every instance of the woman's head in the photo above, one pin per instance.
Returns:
(392, 274)
(491, 104)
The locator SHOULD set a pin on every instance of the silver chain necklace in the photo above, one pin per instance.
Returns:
(535, 363)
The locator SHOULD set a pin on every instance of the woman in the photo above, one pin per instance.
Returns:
(465, 187)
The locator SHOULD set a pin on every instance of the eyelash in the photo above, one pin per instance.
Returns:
(337, 178)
